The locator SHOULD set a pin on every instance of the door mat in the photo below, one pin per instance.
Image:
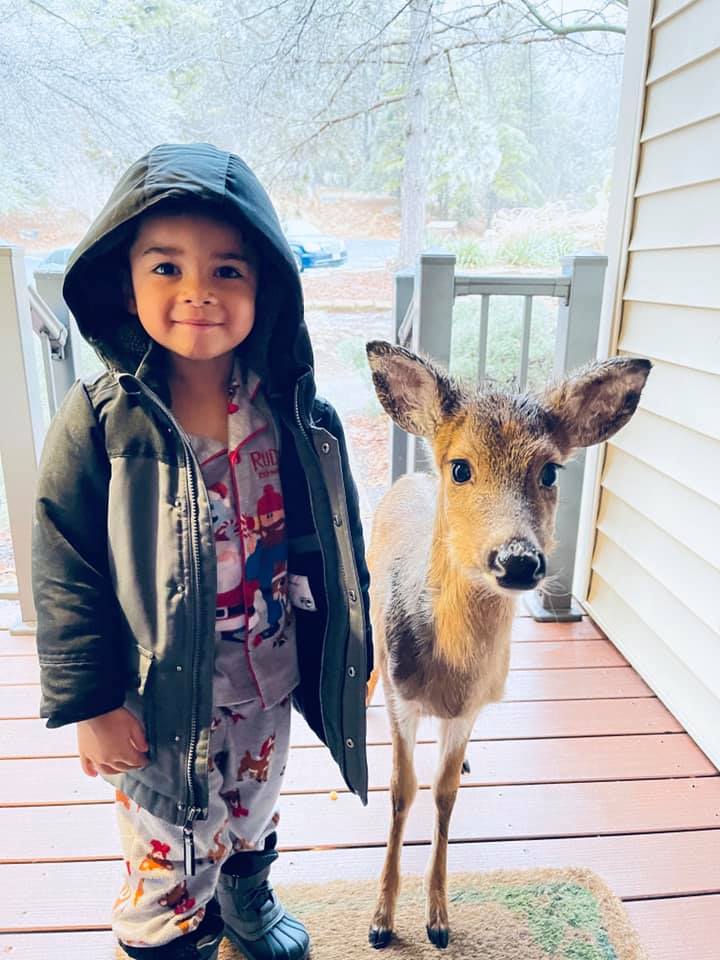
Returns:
(503, 915)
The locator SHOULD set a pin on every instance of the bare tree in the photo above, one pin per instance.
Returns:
(410, 44)
(85, 89)
(88, 84)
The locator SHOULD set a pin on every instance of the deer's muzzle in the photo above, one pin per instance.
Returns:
(517, 565)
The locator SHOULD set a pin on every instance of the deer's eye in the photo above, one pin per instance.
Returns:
(549, 474)
(461, 471)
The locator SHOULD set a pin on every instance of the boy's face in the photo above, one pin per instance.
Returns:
(193, 284)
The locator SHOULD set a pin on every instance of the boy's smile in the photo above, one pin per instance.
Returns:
(194, 281)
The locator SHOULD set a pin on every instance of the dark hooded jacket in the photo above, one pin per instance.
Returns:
(123, 551)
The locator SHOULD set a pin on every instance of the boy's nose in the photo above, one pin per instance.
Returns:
(199, 299)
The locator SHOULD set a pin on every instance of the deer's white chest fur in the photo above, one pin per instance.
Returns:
(446, 640)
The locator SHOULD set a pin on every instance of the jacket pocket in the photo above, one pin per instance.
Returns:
(146, 669)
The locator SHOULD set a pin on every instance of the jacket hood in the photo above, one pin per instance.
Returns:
(278, 347)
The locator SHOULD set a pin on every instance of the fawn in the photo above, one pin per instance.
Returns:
(448, 555)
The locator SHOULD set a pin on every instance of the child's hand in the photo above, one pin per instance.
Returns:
(111, 743)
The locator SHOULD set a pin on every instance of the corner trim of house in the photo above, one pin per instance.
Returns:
(620, 219)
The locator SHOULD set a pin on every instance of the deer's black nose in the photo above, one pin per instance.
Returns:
(517, 565)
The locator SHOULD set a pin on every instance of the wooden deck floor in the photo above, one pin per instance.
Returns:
(579, 765)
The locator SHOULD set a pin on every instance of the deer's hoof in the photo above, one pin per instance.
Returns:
(466, 766)
(379, 937)
(440, 936)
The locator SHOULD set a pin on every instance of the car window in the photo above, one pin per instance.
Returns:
(296, 227)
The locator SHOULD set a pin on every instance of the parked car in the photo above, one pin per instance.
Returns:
(311, 247)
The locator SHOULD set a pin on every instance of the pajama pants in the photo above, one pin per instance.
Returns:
(248, 754)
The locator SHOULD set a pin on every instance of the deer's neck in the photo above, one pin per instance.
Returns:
(469, 618)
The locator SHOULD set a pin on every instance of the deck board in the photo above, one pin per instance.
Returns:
(481, 813)
(22, 700)
(677, 929)
(561, 655)
(579, 765)
(637, 867)
(492, 763)
(541, 655)
(499, 721)
(525, 630)
(59, 946)
(19, 670)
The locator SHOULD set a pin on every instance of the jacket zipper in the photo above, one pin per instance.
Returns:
(192, 811)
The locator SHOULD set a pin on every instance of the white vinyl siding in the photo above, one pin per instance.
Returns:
(684, 97)
(693, 34)
(674, 160)
(655, 577)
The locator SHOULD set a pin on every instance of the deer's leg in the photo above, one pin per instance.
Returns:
(454, 736)
(403, 787)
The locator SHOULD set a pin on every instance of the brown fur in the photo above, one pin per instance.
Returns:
(441, 618)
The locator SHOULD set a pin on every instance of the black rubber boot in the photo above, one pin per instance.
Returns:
(255, 920)
(201, 944)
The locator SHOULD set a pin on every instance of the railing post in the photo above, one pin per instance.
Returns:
(432, 333)
(404, 287)
(21, 424)
(575, 345)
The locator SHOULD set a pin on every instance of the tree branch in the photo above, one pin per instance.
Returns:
(51, 13)
(327, 124)
(561, 30)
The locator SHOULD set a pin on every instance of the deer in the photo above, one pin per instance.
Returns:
(449, 554)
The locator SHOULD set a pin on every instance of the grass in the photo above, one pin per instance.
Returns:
(504, 340)
(538, 248)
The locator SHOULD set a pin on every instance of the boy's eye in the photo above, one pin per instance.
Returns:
(166, 269)
(228, 273)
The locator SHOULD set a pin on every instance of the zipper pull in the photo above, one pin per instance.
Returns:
(189, 842)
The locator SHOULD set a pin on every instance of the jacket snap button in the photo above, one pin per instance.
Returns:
(351, 671)
(325, 447)
(180, 588)
(352, 595)
(177, 738)
(178, 668)
(350, 743)
(178, 503)
(337, 520)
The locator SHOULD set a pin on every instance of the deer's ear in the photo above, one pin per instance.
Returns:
(593, 403)
(413, 391)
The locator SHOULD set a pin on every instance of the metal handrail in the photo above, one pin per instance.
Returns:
(45, 323)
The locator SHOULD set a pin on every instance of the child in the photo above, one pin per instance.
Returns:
(198, 555)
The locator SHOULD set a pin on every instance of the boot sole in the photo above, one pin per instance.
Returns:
(243, 944)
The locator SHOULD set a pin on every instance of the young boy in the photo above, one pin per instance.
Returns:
(198, 555)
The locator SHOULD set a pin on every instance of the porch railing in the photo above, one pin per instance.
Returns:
(423, 312)
(423, 320)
